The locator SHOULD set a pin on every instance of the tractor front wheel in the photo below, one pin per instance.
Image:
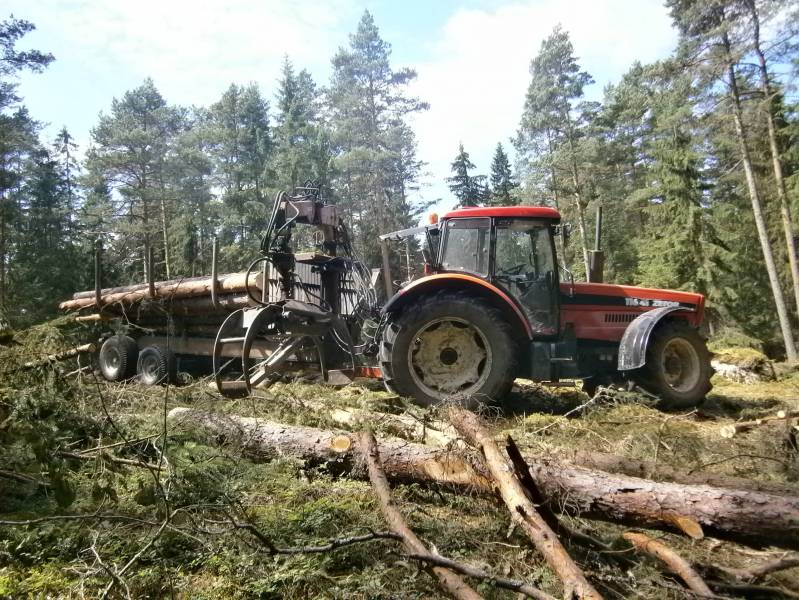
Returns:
(677, 366)
(449, 346)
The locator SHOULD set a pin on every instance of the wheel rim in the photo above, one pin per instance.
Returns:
(113, 359)
(150, 367)
(449, 357)
(680, 365)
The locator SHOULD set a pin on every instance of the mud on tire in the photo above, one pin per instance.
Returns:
(449, 346)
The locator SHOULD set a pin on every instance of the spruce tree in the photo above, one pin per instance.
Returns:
(461, 184)
(503, 184)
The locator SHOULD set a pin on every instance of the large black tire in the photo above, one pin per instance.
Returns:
(677, 367)
(117, 358)
(449, 346)
(156, 365)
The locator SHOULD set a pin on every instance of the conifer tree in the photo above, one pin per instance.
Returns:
(130, 152)
(462, 185)
(18, 133)
(706, 29)
(553, 124)
(503, 184)
(302, 146)
(375, 149)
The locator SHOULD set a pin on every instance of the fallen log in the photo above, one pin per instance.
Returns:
(747, 516)
(675, 562)
(449, 580)
(733, 429)
(613, 463)
(132, 288)
(521, 508)
(439, 433)
(172, 289)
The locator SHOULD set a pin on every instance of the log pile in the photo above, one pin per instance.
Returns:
(742, 515)
(188, 296)
(534, 489)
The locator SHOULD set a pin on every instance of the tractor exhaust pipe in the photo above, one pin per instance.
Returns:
(596, 263)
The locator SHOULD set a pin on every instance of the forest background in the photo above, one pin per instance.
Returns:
(693, 158)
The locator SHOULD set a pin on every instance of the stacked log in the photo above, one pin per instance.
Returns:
(190, 296)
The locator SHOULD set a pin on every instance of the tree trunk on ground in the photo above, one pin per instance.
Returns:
(779, 181)
(450, 581)
(725, 513)
(757, 209)
(522, 510)
(439, 433)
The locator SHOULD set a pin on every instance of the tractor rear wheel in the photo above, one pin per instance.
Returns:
(449, 346)
(677, 366)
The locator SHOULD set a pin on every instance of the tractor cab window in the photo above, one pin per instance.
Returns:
(525, 265)
(466, 246)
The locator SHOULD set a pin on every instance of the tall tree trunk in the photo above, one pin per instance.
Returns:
(578, 200)
(554, 183)
(757, 208)
(779, 181)
(166, 236)
(3, 252)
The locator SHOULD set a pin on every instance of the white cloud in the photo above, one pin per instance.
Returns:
(478, 71)
(193, 49)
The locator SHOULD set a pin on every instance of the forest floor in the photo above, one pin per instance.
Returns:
(95, 522)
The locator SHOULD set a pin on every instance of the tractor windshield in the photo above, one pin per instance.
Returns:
(525, 265)
(466, 246)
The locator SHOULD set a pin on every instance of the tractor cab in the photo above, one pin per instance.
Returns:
(513, 249)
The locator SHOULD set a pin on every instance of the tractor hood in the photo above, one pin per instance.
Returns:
(602, 296)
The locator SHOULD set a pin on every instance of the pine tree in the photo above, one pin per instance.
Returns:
(375, 149)
(554, 122)
(131, 150)
(18, 132)
(705, 28)
(240, 145)
(503, 184)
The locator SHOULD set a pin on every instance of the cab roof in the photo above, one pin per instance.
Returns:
(540, 212)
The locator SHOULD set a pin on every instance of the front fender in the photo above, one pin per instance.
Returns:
(460, 281)
(632, 349)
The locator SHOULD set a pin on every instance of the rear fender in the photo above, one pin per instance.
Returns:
(632, 348)
(461, 282)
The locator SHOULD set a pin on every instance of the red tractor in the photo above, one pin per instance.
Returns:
(492, 307)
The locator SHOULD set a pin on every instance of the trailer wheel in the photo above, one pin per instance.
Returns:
(450, 346)
(677, 366)
(156, 365)
(117, 358)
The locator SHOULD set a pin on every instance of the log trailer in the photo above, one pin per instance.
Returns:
(490, 308)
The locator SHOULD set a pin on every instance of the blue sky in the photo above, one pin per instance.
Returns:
(472, 56)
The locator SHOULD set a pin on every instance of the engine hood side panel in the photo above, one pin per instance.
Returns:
(601, 311)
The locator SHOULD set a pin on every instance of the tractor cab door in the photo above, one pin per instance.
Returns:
(524, 264)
